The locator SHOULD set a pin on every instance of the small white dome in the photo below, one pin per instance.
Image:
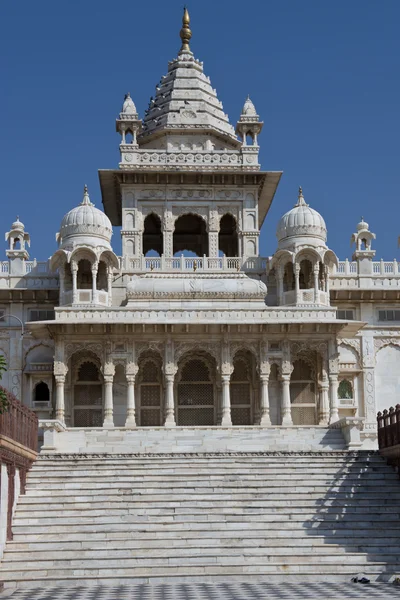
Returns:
(85, 222)
(249, 110)
(301, 221)
(128, 107)
(17, 225)
(362, 225)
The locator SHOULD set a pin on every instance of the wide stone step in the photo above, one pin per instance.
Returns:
(74, 584)
(253, 464)
(157, 573)
(61, 556)
(324, 526)
(212, 515)
(284, 484)
(180, 559)
(224, 509)
(291, 496)
(178, 479)
(360, 535)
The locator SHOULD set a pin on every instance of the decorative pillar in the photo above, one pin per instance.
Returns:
(285, 403)
(109, 285)
(169, 401)
(334, 407)
(130, 407)
(60, 405)
(170, 370)
(108, 401)
(316, 283)
(368, 363)
(226, 419)
(297, 282)
(95, 267)
(61, 276)
(226, 372)
(74, 271)
(265, 418)
(324, 403)
(279, 281)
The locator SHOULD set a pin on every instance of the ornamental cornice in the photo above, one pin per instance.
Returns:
(189, 168)
(172, 455)
(195, 294)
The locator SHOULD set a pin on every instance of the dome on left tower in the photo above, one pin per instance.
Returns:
(86, 225)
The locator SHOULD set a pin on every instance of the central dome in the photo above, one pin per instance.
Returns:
(85, 224)
(301, 221)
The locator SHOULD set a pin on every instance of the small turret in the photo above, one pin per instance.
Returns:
(17, 239)
(363, 253)
(249, 123)
(128, 122)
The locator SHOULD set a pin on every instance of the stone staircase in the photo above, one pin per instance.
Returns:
(272, 516)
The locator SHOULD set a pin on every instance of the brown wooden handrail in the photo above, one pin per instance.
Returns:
(389, 427)
(19, 423)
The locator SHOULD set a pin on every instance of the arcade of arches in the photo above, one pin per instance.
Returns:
(198, 392)
(190, 235)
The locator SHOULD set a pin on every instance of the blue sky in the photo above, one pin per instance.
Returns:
(324, 77)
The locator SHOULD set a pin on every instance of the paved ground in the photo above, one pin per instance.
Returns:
(198, 591)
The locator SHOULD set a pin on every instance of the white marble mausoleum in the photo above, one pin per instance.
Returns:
(191, 327)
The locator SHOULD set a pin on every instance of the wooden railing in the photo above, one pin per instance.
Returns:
(389, 427)
(18, 450)
(19, 423)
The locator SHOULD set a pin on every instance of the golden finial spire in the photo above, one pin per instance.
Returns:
(185, 33)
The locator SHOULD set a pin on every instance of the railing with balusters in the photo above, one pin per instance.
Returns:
(200, 264)
(379, 268)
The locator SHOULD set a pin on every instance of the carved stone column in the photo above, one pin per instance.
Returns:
(226, 419)
(287, 368)
(324, 403)
(368, 363)
(279, 283)
(60, 405)
(109, 371)
(170, 370)
(226, 372)
(297, 282)
(213, 231)
(130, 407)
(265, 418)
(168, 234)
(285, 404)
(334, 407)
(316, 283)
(265, 370)
(333, 379)
(74, 271)
(108, 401)
(61, 276)
(109, 284)
(95, 268)
(169, 399)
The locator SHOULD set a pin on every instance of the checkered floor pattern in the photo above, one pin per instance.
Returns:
(208, 591)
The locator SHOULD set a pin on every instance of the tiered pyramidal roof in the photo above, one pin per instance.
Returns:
(185, 100)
